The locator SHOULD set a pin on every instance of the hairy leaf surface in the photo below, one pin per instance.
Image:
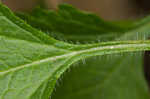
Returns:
(31, 62)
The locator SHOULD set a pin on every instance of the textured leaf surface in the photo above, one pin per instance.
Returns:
(116, 76)
(31, 62)
(98, 77)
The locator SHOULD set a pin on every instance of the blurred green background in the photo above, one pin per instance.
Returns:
(107, 9)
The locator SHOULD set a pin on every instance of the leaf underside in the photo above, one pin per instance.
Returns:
(32, 61)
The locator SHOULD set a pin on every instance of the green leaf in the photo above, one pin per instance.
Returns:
(98, 78)
(88, 24)
(72, 24)
(116, 76)
(107, 77)
(31, 61)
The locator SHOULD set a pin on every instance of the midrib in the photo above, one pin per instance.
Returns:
(124, 48)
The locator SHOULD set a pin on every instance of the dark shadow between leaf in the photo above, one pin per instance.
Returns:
(147, 66)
